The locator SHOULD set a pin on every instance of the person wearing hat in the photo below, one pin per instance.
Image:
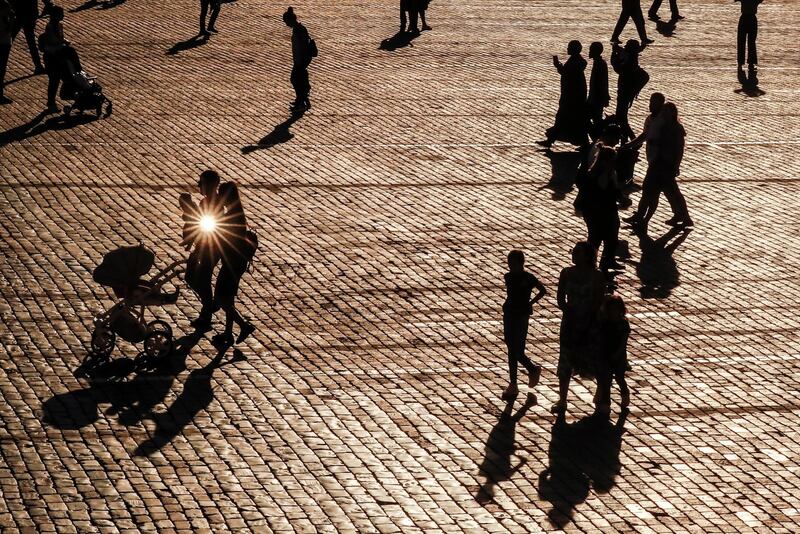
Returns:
(631, 9)
(301, 59)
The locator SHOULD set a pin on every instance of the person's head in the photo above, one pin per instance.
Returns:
(229, 194)
(657, 101)
(596, 49)
(574, 48)
(612, 134)
(185, 202)
(670, 112)
(613, 308)
(516, 261)
(289, 17)
(584, 255)
(56, 13)
(208, 183)
(632, 47)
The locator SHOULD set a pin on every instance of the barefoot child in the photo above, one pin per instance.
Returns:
(614, 331)
(517, 308)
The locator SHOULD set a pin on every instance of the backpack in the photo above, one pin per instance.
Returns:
(250, 248)
(312, 48)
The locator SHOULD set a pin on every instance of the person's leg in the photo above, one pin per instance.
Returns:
(752, 34)
(676, 201)
(638, 21)
(510, 336)
(204, 5)
(53, 81)
(621, 22)
(403, 17)
(741, 35)
(610, 241)
(306, 87)
(625, 393)
(5, 51)
(296, 85)
(215, 7)
(673, 8)
(422, 20)
(413, 16)
(29, 28)
(654, 7)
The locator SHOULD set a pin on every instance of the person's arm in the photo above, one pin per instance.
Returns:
(636, 143)
(540, 291)
(561, 292)
(558, 65)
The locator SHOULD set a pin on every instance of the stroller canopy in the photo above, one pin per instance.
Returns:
(124, 266)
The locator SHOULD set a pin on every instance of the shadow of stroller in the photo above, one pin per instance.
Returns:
(130, 400)
(583, 455)
(193, 42)
(496, 466)
(37, 125)
(565, 167)
(398, 40)
(279, 134)
(196, 396)
(657, 270)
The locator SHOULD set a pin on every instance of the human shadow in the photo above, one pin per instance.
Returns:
(565, 168)
(196, 396)
(193, 42)
(279, 134)
(20, 78)
(666, 27)
(38, 125)
(750, 90)
(398, 40)
(99, 4)
(657, 269)
(583, 455)
(496, 466)
(130, 400)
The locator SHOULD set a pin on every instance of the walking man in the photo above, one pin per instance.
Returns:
(631, 9)
(304, 49)
(746, 38)
(26, 13)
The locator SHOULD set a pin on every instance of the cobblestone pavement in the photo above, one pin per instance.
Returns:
(368, 399)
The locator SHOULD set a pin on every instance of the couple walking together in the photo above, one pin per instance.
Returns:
(215, 230)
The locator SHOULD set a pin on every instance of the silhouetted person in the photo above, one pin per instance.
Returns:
(746, 38)
(673, 7)
(190, 213)
(26, 12)
(6, 22)
(237, 248)
(205, 6)
(601, 193)
(651, 131)
(613, 353)
(60, 59)
(571, 124)
(631, 9)
(303, 51)
(632, 79)
(598, 88)
(517, 310)
(580, 293)
(206, 253)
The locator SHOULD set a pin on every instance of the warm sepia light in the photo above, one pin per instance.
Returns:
(208, 223)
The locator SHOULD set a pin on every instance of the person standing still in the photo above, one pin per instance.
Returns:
(26, 13)
(303, 51)
(746, 35)
(598, 98)
(6, 21)
(631, 9)
(517, 308)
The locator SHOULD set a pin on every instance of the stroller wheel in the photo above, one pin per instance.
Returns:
(67, 110)
(158, 344)
(159, 326)
(109, 107)
(103, 339)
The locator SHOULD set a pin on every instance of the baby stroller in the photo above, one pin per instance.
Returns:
(122, 270)
(86, 94)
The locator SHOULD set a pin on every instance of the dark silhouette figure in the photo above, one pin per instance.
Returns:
(583, 455)
(746, 35)
(60, 58)
(196, 396)
(304, 49)
(571, 124)
(214, 7)
(27, 11)
(649, 137)
(565, 168)
(612, 363)
(657, 269)
(500, 447)
(100, 4)
(631, 81)
(399, 40)
(631, 9)
(517, 310)
(279, 134)
(188, 44)
(599, 97)
(599, 207)
(673, 8)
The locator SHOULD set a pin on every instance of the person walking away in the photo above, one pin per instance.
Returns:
(517, 309)
(631, 9)
(613, 354)
(673, 140)
(238, 246)
(205, 6)
(580, 293)
(652, 13)
(304, 49)
(571, 124)
(651, 131)
(632, 79)
(27, 12)
(6, 25)
(598, 89)
(746, 35)
(600, 209)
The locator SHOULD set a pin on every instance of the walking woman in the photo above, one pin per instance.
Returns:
(238, 246)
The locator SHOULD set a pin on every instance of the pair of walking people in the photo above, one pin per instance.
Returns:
(594, 331)
(216, 232)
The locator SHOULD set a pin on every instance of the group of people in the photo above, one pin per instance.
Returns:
(216, 232)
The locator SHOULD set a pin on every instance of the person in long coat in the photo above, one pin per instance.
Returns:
(571, 124)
